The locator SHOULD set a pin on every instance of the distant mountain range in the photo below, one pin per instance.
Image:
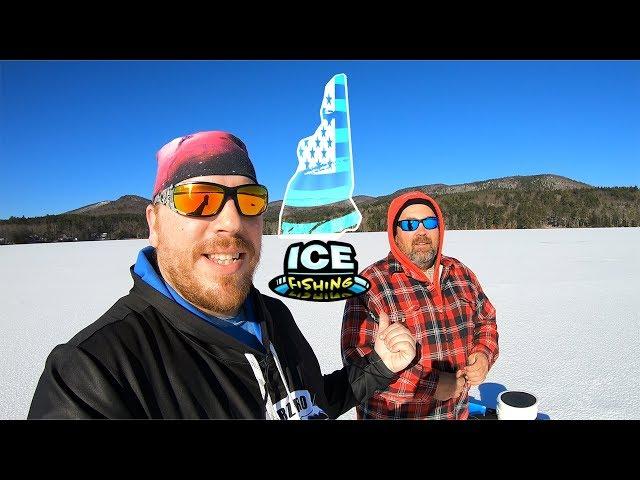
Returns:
(126, 204)
(530, 182)
(136, 204)
(535, 201)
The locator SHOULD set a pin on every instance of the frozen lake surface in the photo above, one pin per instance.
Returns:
(566, 302)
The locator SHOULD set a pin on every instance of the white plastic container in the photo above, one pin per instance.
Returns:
(515, 405)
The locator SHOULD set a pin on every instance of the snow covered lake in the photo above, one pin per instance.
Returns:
(566, 301)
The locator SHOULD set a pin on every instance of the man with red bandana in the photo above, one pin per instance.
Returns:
(194, 338)
(440, 301)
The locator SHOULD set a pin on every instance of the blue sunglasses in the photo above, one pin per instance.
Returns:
(411, 225)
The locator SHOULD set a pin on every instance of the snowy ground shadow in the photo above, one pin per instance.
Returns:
(489, 397)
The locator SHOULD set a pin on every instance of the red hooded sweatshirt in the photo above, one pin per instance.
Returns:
(450, 317)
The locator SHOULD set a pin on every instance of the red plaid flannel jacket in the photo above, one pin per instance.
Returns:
(465, 322)
(450, 317)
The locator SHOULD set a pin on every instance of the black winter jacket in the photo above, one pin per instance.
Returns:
(148, 357)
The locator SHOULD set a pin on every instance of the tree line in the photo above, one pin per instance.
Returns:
(485, 209)
(512, 208)
(73, 227)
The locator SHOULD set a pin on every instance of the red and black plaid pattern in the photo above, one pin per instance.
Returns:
(446, 333)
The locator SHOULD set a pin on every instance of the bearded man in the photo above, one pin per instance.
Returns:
(440, 301)
(194, 338)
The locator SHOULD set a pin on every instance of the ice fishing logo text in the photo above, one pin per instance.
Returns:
(320, 272)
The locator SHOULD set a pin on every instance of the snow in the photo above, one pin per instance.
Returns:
(90, 207)
(566, 298)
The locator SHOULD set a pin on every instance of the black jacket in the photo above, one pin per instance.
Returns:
(148, 357)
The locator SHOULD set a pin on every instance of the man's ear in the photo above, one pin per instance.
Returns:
(152, 222)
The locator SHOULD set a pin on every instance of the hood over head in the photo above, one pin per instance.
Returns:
(395, 208)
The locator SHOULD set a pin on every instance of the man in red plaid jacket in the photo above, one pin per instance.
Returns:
(440, 301)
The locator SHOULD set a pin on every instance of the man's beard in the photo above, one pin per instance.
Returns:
(423, 259)
(222, 294)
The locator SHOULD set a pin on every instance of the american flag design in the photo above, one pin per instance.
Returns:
(324, 175)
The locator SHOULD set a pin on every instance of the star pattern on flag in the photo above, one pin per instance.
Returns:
(317, 152)
(324, 175)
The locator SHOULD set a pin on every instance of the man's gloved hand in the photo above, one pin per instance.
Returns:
(450, 385)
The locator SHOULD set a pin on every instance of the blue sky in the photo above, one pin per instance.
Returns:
(78, 132)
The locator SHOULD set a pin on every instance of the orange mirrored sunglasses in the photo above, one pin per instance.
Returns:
(204, 199)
